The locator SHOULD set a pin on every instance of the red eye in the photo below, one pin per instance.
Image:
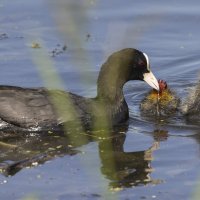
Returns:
(141, 63)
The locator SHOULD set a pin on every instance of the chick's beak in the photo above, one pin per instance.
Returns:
(151, 80)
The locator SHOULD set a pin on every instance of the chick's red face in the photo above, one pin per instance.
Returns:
(162, 85)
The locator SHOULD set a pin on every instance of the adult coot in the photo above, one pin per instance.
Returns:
(164, 103)
(28, 108)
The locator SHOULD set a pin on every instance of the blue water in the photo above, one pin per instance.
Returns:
(165, 155)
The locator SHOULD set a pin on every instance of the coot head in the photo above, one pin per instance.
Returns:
(122, 66)
(141, 69)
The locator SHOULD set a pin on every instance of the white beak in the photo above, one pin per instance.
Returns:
(151, 80)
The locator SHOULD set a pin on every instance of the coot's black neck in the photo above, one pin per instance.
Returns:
(115, 72)
(112, 77)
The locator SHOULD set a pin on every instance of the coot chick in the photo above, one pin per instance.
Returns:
(191, 105)
(165, 102)
(30, 108)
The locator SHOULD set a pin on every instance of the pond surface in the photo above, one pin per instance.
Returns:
(154, 159)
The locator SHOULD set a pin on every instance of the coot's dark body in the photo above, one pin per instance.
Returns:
(41, 108)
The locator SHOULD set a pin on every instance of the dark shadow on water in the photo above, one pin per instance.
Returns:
(122, 169)
(19, 151)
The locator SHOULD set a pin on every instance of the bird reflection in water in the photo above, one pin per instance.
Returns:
(130, 168)
(122, 169)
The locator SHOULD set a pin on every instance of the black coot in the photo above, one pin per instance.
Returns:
(28, 108)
